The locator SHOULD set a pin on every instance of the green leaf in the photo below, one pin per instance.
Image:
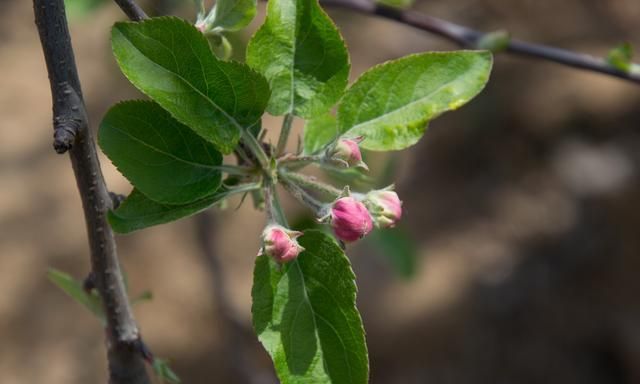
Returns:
(305, 315)
(164, 372)
(620, 57)
(220, 46)
(300, 51)
(138, 211)
(162, 158)
(232, 15)
(402, 4)
(319, 132)
(398, 248)
(170, 60)
(93, 303)
(391, 104)
(76, 291)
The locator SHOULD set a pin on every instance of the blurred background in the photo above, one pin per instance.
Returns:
(517, 261)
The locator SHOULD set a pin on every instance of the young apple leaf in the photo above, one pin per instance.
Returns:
(301, 53)
(162, 158)
(620, 57)
(319, 132)
(496, 41)
(164, 372)
(76, 291)
(232, 15)
(138, 211)
(402, 4)
(391, 104)
(170, 60)
(305, 315)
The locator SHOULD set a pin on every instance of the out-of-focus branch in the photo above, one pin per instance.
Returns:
(235, 333)
(72, 133)
(467, 37)
(131, 9)
(459, 34)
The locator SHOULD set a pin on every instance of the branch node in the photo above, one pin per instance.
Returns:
(64, 134)
(70, 118)
(146, 353)
(89, 282)
(116, 199)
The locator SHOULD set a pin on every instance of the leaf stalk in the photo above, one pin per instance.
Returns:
(284, 133)
(256, 148)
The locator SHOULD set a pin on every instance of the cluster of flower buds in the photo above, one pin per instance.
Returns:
(351, 216)
(352, 219)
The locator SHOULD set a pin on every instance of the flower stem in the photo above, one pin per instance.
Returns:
(311, 183)
(284, 133)
(242, 156)
(273, 209)
(299, 162)
(302, 196)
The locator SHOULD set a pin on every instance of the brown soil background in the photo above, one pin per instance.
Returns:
(525, 205)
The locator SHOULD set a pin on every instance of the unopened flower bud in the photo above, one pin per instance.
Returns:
(347, 151)
(280, 243)
(350, 219)
(201, 26)
(385, 207)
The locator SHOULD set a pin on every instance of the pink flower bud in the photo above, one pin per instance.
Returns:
(201, 26)
(348, 152)
(385, 207)
(350, 219)
(280, 243)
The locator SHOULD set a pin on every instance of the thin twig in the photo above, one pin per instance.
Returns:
(255, 148)
(126, 364)
(468, 37)
(132, 10)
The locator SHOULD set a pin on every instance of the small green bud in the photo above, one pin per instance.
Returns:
(496, 41)
(620, 57)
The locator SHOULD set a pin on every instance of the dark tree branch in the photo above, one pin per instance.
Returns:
(72, 133)
(132, 10)
(467, 37)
